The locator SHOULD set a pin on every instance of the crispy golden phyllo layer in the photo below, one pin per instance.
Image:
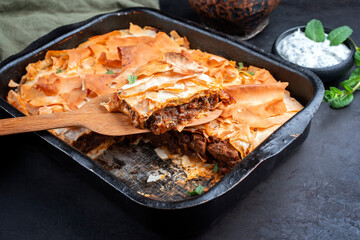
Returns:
(164, 85)
(169, 92)
(161, 84)
(262, 105)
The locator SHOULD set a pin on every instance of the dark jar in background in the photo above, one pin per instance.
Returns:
(244, 18)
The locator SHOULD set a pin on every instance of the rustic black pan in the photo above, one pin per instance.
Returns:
(193, 213)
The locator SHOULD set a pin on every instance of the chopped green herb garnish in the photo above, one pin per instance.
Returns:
(58, 71)
(251, 73)
(216, 168)
(132, 79)
(241, 66)
(198, 191)
(109, 72)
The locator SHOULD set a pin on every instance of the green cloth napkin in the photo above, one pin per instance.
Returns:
(23, 21)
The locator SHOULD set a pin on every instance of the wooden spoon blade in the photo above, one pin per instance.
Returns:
(117, 124)
(92, 116)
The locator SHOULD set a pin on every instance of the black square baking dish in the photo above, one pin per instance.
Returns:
(192, 213)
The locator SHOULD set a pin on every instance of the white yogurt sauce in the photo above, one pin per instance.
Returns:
(299, 49)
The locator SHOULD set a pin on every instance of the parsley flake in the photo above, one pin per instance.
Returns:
(216, 168)
(132, 79)
(109, 72)
(58, 71)
(198, 191)
(241, 66)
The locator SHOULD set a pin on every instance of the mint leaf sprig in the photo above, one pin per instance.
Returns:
(341, 98)
(314, 30)
(337, 98)
(357, 53)
(357, 56)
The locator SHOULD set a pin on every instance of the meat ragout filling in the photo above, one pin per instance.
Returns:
(169, 118)
(195, 144)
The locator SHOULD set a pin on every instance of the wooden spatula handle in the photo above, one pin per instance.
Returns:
(36, 123)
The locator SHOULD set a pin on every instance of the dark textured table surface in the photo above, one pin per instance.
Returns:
(314, 194)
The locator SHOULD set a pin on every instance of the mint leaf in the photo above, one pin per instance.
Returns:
(315, 31)
(339, 35)
(357, 58)
(354, 78)
(351, 82)
(198, 191)
(342, 101)
(109, 72)
(348, 88)
(329, 95)
(355, 73)
(132, 79)
(338, 98)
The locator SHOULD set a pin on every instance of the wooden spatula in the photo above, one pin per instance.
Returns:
(92, 116)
